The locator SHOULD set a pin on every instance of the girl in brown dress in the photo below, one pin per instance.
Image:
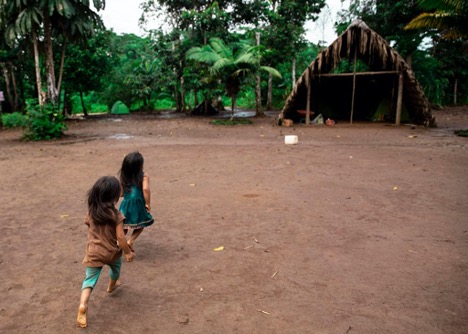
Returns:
(106, 240)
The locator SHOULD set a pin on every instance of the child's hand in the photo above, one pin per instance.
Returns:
(129, 257)
(148, 208)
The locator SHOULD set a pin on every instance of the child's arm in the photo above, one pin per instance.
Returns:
(146, 192)
(123, 243)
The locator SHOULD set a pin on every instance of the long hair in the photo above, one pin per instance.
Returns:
(102, 198)
(131, 172)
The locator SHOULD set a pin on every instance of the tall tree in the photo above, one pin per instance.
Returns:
(285, 28)
(40, 20)
(84, 68)
(449, 19)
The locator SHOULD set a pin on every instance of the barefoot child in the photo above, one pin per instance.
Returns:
(136, 194)
(106, 240)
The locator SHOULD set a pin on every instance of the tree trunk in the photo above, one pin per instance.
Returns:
(49, 60)
(38, 70)
(62, 61)
(177, 97)
(409, 60)
(15, 87)
(455, 91)
(258, 87)
(85, 112)
(258, 97)
(182, 94)
(10, 83)
(270, 93)
(7, 85)
(174, 72)
(293, 73)
(66, 110)
(233, 105)
(195, 98)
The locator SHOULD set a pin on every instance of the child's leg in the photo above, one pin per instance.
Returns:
(114, 274)
(81, 319)
(92, 276)
(135, 235)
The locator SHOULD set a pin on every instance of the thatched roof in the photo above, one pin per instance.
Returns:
(383, 62)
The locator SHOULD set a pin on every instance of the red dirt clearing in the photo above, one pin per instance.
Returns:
(357, 229)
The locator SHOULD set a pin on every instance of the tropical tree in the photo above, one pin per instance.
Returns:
(285, 28)
(231, 64)
(143, 78)
(40, 21)
(449, 17)
(84, 68)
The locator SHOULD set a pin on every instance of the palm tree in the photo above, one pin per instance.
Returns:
(450, 17)
(232, 64)
(39, 20)
(76, 25)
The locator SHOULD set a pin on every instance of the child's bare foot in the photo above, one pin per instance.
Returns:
(81, 320)
(113, 285)
(130, 245)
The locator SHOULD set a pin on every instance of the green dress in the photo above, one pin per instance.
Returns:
(134, 210)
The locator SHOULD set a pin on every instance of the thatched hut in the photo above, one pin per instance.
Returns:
(387, 88)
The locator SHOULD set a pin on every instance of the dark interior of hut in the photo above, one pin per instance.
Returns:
(375, 98)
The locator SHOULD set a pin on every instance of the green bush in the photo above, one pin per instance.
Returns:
(98, 108)
(43, 123)
(13, 120)
(164, 104)
(461, 133)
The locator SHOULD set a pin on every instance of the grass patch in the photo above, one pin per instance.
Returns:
(461, 133)
(235, 121)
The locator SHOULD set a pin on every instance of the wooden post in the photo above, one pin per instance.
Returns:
(307, 120)
(354, 86)
(399, 99)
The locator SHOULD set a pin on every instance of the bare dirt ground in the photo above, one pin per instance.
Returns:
(357, 229)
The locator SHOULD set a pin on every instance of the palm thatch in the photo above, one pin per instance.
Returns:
(331, 95)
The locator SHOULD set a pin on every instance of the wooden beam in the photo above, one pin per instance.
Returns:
(357, 73)
(399, 99)
(309, 82)
(354, 87)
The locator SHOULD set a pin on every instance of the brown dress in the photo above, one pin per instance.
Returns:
(102, 243)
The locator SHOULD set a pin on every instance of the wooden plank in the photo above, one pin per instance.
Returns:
(399, 99)
(309, 83)
(357, 73)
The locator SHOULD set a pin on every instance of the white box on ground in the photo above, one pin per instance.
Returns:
(290, 140)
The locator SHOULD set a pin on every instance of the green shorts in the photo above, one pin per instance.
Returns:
(93, 273)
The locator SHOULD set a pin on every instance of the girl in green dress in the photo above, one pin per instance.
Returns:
(136, 204)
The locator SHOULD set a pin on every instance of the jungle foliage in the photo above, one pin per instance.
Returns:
(59, 53)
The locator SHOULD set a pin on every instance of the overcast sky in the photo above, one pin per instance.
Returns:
(122, 16)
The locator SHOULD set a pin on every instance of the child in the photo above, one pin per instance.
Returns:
(105, 229)
(136, 204)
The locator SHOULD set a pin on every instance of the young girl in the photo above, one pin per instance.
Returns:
(105, 229)
(136, 194)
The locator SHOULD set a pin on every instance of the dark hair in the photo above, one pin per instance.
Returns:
(131, 172)
(102, 198)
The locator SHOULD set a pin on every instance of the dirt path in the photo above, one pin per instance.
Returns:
(357, 229)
